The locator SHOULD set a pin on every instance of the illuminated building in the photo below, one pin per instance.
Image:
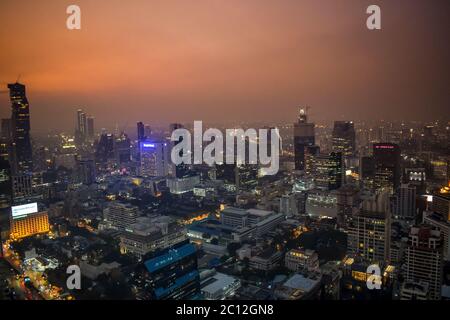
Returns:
(173, 273)
(20, 124)
(387, 165)
(344, 138)
(369, 230)
(147, 235)
(303, 137)
(27, 221)
(120, 215)
(5, 184)
(441, 205)
(443, 225)
(301, 260)
(328, 171)
(423, 259)
(154, 158)
(81, 123)
(404, 202)
(182, 185)
(22, 187)
(347, 199)
(86, 171)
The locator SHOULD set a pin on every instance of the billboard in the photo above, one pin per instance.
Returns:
(24, 210)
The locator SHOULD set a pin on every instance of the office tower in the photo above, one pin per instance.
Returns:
(90, 128)
(22, 188)
(423, 259)
(387, 165)
(246, 177)
(404, 202)
(441, 205)
(367, 168)
(344, 138)
(105, 148)
(7, 129)
(86, 171)
(303, 137)
(140, 131)
(27, 220)
(180, 170)
(151, 234)
(20, 124)
(154, 158)
(120, 216)
(437, 221)
(147, 131)
(289, 204)
(369, 230)
(310, 155)
(328, 172)
(347, 198)
(5, 184)
(5, 148)
(81, 123)
(173, 273)
(122, 149)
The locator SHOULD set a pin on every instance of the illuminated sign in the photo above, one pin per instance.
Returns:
(148, 145)
(384, 146)
(24, 210)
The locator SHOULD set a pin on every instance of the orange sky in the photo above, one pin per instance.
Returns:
(180, 60)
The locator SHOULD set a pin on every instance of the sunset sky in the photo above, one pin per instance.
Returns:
(212, 60)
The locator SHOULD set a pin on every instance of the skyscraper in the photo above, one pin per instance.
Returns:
(81, 123)
(423, 260)
(387, 165)
(154, 158)
(404, 202)
(20, 123)
(173, 273)
(328, 171)
(369, 231)
(344, 138)
(181, 170)
(303, 137)
(140, 131)
(90, 127)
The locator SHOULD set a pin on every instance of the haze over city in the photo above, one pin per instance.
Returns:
(226, 60)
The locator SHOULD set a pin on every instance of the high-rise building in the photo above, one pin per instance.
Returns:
(5, 184)
(7, 129)
(180, 170)
(22, 188)
(155, 158)
(105, 149)
(81, 123)
(328, 171)
(122, 149)
(404, 202)
(140, 131)
(303, 136)
(173, 273)
(90, 127)
(27, 220)
(437, 221)
(441, 205)
(387, 165)
(20, 123)
(423, 259)
(344, 138)
(121, 215)
(86, 171)
(369, 230)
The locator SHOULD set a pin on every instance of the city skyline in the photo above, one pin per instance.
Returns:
(192, 60)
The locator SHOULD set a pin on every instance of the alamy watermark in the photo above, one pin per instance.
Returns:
(236, 142)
